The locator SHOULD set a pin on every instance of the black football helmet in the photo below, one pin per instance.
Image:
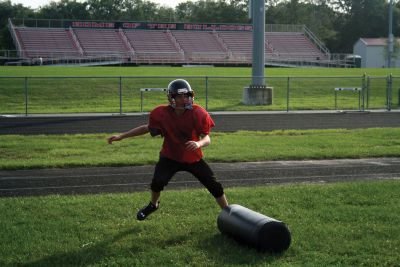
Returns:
(180, 87)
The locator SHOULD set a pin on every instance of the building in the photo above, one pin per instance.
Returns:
(373, 52)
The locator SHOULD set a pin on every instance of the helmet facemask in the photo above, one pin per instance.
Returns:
(188, 100)
(177, 88)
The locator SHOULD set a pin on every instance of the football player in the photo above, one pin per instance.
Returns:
(185, 128)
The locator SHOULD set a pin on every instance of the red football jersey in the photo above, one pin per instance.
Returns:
(179, 129)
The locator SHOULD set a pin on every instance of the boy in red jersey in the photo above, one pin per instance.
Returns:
(185, 128)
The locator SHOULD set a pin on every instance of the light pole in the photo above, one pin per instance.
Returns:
(257, 93)
(390, 38)
(258, 7)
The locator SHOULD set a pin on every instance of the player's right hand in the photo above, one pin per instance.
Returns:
(113, 138)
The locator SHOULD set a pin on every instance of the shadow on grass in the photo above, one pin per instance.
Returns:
(85, 256)
(219, 249)
(223, 250)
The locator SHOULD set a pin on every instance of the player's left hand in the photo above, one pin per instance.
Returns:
(192, 145)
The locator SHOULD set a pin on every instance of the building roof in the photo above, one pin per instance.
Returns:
(374, 41)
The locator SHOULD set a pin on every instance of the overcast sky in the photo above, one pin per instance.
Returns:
(37, 3)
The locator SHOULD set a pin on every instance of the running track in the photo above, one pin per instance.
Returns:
(131, 179)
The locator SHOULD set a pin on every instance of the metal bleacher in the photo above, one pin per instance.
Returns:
(95, 42)
(154, 46)
(200, 46)
(46, 43)
(294, 45)
(239, 44)
(144, 46)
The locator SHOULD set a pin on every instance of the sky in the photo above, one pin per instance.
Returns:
(37, 3)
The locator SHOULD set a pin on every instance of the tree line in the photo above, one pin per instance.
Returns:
(338, 23)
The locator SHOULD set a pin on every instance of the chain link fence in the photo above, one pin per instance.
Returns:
(48, 95)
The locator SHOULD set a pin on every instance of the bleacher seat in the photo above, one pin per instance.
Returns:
(46, 42)
(153, 45)
(101, 42)
(240, 44)
(293, 45)
(162, 46)
(200, 46)
(150, 41)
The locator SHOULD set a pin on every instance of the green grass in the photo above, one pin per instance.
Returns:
(48, 151)
(53, 90)
(193, 71)
(343, 224)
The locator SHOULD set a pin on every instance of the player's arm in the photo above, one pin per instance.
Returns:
(143, 129)
(205, 140)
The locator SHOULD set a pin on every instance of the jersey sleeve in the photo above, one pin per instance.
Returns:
(155, 121)
(204, 122)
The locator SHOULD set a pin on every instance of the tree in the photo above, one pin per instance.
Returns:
(316, 15)
(367, 18)
(65, 9)
(9, 10)
(165, 14)
(184, 11)
(139, 10)
(105, 9)
(320, 19)
(209, 11)
(395, 52)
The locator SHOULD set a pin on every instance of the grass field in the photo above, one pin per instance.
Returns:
(97, 89)
(192, 71)
(344, 224)
(49, 151)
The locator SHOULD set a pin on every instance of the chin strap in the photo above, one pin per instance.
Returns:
(172, 102)
(188, 105)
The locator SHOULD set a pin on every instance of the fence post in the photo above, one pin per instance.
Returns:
(363, 87)
(26, 96)
(287, 94)
(389, 93)
(368, 89)
(141, 101)
(120, 95)
(207, 93)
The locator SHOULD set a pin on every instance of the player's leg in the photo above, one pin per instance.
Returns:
(202, 171)
(222, 201)
(163, 172)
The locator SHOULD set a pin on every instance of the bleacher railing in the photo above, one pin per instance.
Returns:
(9, 54)
(14, 37)
(283, 28)
(122, 94)
(320, 45)
(38, 23)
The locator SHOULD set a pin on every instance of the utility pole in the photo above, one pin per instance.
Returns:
(257, 93)
(390, 37)
(258, 42)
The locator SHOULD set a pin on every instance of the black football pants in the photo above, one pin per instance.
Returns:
(166, 168)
